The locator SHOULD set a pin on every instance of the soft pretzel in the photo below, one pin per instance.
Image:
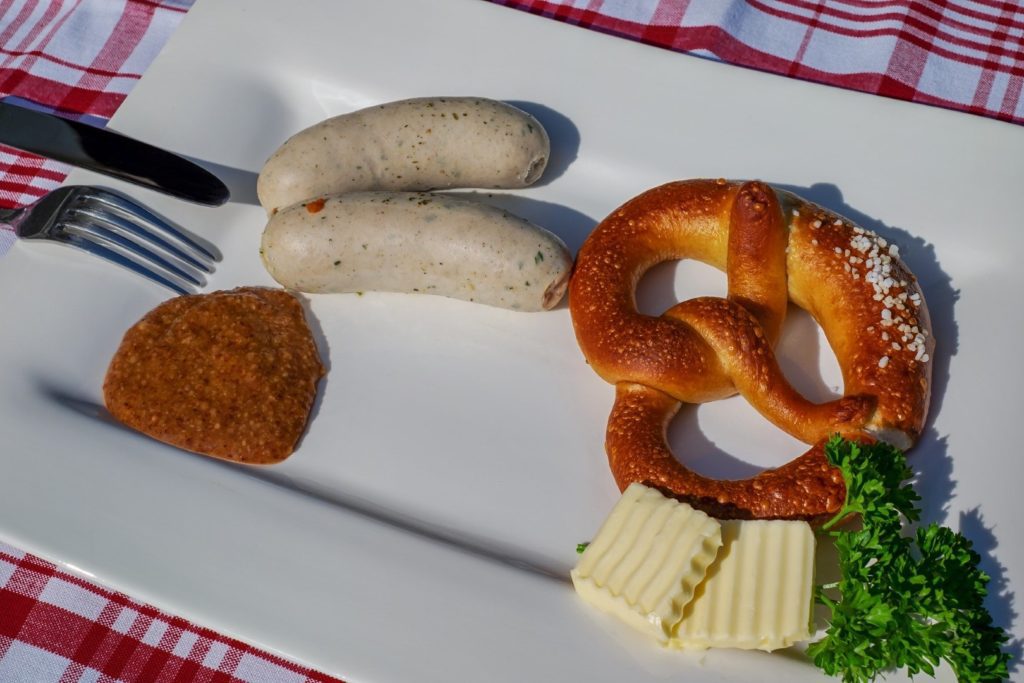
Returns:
(774, 247)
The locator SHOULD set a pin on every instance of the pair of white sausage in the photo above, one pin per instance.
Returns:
(329, 233)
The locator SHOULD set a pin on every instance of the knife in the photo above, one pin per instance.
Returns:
(113, 154)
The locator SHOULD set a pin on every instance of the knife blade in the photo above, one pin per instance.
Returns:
(110, 153)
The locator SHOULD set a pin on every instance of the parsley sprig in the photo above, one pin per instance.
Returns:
(904, 601)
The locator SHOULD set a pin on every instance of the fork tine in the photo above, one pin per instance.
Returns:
(141, 214)
(97, 249)
(99, 234)
(120, 225)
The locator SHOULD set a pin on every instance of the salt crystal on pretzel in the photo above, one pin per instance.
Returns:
(775, 247)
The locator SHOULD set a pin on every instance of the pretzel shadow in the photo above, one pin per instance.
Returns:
(930, 458)
(934, 480)
(922, 259)
(691, 446)
(799, 353)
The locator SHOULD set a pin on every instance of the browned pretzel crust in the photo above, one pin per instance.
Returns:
(775, 247)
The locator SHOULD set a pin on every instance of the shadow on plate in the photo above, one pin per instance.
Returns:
(570, 225)
(699, 453)
(487, 549)
(484, 548)
(261, 117)
(921, 258)
(1000, 600)
(324, 350)
(565, 138)
(565, 143)
(799, 353)
(82, 405)
(929, 458)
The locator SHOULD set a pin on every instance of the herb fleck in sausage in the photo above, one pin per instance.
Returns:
(417, 144)
(416, 242)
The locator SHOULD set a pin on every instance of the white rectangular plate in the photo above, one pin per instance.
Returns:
(425, 528)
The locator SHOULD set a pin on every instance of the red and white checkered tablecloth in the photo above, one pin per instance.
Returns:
(80, 58)
(961, 54)
(57, 627)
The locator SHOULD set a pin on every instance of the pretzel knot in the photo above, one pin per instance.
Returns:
(774, 248)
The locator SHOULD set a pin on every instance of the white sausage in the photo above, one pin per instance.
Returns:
(416, 242)
(417, 144)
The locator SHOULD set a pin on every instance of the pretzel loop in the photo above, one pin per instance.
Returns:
(774, 250)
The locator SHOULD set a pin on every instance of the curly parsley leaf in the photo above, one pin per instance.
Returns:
(903, 601)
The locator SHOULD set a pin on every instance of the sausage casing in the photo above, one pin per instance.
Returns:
(409, 145)
(416, 242)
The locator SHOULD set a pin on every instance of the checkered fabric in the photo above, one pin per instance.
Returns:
(77, 58)
(80, 58)
(961, 54)
(55, 627)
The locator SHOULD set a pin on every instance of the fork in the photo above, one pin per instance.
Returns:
(118, 229)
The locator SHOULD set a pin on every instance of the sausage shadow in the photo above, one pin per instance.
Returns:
(565, 138)
(261, 120)
(570, 225)
(565, 144)
(930, 458)
(799, 353)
